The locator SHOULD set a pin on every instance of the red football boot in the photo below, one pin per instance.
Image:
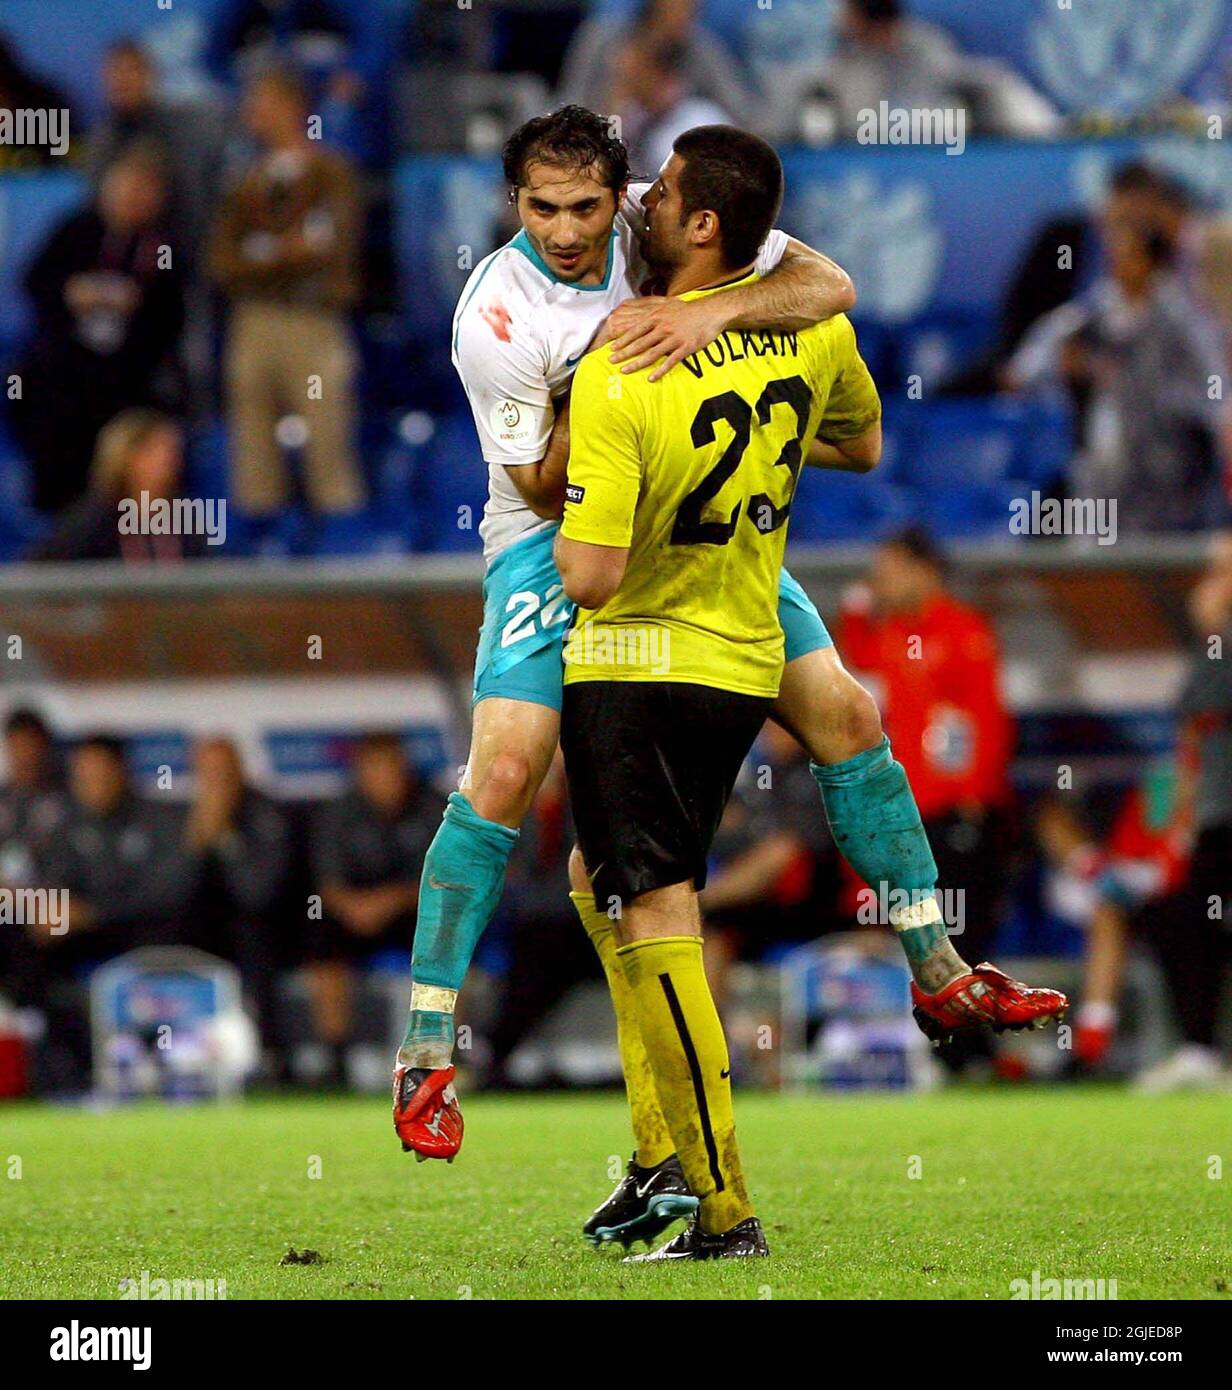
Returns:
(427, 1117)
(984, 998)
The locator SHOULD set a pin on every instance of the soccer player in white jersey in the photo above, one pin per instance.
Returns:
(527, 315)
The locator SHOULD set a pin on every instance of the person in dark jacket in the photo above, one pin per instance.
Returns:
(240, 843)
(33, 805)
(367, 851)
(108, 296)
(118, 859)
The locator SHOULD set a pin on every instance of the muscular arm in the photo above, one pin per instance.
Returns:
(803, 289)
(590, 573)
(859, 455)
(542, 484)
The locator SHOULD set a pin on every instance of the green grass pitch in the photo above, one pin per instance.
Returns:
(1082, 1183)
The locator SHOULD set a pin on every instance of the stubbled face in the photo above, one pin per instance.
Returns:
(568, 216)
(665, 239)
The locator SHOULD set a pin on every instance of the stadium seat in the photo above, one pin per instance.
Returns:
(1046, 442)
(206, 461)
(360, 533)
(966, 441)
(899, 430)
(449, 483)
(441, 109)
(20, 525)
(846, 508)
(968, 510)
(273, 538)
(937, 344)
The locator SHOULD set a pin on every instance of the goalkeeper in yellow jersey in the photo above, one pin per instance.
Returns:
(675, 522)
(676, 510)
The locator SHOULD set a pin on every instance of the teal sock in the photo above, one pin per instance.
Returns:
(876, 826)
(459, 888)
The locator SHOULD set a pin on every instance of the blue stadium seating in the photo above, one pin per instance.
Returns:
(31, 207)
(180, 35)
(20, 525)
(966, 441)
(968, 510)
(848, 508)
(449, 483)
(983, 441)
(206, 471)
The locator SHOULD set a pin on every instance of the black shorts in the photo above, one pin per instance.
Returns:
(650, 767)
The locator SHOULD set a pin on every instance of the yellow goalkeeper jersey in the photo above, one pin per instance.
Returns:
(695, 475)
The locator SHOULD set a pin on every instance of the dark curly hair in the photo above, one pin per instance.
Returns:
(571, 137)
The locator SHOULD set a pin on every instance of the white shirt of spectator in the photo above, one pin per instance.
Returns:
(518, 335)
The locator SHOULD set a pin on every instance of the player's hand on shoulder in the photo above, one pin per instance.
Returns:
(659, 327)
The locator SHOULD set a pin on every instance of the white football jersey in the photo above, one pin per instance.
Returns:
(518, 335)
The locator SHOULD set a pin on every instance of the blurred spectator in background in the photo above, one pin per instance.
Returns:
(1194, 936)
(881, 55)
(323, 40)
(120, 857)
(187, 139)
(774, 878)
(654, 102)
(139, 458)
(599, 68)
(1138, 356)
(129, 883)
(938, 679)
(239, 841)
(32, 798)
(547, 952)
(21, 90)
(1214, 288)
(367, 851)
(108, 297)
(32, 808)
(285, 250)
(1114, 891)
(1060, 261)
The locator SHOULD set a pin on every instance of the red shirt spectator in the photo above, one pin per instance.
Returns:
(939, 669)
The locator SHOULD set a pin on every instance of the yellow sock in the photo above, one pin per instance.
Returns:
(684, 1039)
(654, 1143)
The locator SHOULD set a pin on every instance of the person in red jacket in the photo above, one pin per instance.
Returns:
(934, 664)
